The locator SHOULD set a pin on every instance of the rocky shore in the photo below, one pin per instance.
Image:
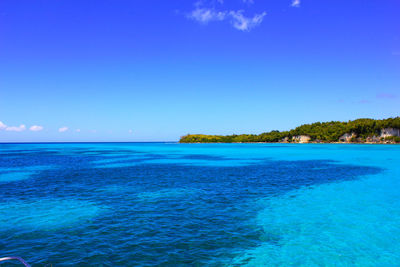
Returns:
(386, 131)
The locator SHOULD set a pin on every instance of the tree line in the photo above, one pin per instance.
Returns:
(361, 129)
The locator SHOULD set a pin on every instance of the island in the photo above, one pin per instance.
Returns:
(385, 131)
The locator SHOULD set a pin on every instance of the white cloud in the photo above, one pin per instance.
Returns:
(243, 23)
(2, 126)
(36, 128)
(20, 128)
(248, 1)
(78, 130)
(63, 129)
(205, 15)
(237, 19)
(295, 3)
(16, 128)
(130, 131)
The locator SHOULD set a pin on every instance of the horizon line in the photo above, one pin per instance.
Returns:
(88, 142)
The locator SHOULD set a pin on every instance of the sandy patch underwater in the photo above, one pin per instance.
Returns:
(200, 204)
(346, 223)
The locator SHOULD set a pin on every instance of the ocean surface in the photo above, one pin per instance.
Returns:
(168, 204)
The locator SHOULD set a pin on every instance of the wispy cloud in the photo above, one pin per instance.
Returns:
(130, 131)
(5, 127)
(236, 18)
(78, 130)
(248, 1)
(243, 23)
(63, 129)
(36, 128)
(205, 15)
(295, 3)
(364, 101)
(386, 95)
(20, 128)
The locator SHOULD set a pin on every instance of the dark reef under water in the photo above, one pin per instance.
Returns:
(76, 206)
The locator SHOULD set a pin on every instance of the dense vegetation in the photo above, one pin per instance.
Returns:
(362, 130)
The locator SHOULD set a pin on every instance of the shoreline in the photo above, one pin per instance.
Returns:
(359, 131)
(314, 143)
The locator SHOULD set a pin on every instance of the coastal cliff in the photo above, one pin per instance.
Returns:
(386, 131)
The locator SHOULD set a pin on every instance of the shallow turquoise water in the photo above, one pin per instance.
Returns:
(167, 204)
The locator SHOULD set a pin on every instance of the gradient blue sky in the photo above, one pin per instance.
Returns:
(163, 69)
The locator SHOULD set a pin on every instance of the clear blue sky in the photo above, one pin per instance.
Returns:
(155, 70)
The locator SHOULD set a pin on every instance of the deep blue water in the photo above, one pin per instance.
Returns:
(166, 204)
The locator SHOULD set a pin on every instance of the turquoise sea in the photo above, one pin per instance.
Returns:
(169, 204)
